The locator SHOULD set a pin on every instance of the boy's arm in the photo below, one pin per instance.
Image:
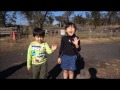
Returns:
(29, 59)
(48, 49)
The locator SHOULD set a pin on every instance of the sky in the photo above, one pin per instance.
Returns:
(57, 13)
(22, 21)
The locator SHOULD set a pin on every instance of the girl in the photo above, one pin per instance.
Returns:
(67, 56)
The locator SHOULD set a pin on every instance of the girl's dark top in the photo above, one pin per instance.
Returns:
(67, 47)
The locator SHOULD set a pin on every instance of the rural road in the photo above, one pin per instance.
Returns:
(13, 64)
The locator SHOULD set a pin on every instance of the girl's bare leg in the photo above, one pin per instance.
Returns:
(71, 74)
(65, 74)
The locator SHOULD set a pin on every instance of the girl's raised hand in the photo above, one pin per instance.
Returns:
(75, 41)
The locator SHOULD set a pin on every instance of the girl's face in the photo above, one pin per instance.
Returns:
(70, 30)
(38, 39)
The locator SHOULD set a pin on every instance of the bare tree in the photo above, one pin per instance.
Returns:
(112, 17)
(78, 19)
(36, 18)
(11, 19)
(60, 19)
(49, 20)
(96, 18)
(88, 18)
(3, 15)
(67, 15)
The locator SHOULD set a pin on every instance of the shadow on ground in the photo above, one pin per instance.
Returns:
(6, 73)
(93, 73)
(53, 73)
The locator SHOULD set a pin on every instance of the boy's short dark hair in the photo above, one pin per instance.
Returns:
(38, 31)
(69, 24)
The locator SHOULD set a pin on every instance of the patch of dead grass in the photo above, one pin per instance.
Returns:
(7, 44)
(100, 40)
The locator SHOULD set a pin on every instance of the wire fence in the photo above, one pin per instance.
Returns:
(98, 33)
(82, 33)
(88, 33)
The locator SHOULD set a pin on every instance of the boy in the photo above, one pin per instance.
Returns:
(36, 56)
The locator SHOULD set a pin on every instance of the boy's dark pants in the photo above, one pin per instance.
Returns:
(40, 71)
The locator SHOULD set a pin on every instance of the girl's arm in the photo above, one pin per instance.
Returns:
(76, 43)
(61, 47)
(79, 46)
(60, 50)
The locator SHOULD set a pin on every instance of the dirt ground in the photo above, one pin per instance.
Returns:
(101, 59)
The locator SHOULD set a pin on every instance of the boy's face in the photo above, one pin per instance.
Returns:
(70, 30)
(38, 39)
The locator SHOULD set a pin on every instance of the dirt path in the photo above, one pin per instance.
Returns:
(100, 61)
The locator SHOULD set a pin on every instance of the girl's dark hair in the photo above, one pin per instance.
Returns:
(70, 24)
(38, 31)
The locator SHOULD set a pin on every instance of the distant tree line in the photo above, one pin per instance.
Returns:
(42, 18)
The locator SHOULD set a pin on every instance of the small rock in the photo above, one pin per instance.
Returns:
(21, 53)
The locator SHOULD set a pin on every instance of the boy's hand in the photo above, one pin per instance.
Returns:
(59, 60)
(28, 68)
(54, 47)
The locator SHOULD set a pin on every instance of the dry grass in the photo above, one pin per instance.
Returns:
(100, 40)
(7, 44)
(110, 70)
(99, 27)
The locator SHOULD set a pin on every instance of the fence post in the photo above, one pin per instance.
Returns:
(90, 33)
(101, 33)
(14, 35)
